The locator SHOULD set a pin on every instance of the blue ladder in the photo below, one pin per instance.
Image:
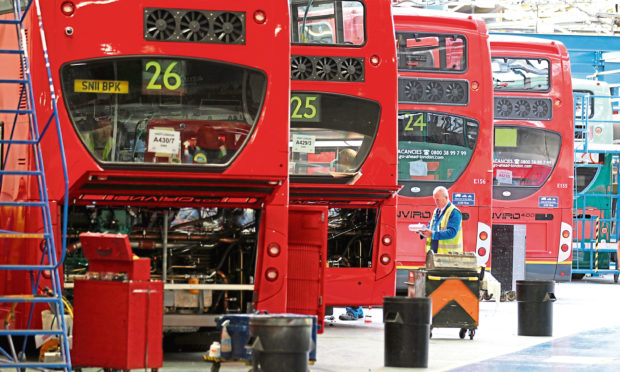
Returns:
(20, 130)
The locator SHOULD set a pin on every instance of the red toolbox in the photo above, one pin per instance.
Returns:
(118, 311)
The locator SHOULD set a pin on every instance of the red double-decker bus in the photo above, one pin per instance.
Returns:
(342, 161)
(445, 128)
(532, 160)
(176, 134)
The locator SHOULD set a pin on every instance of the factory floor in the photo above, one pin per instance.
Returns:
(586, 337)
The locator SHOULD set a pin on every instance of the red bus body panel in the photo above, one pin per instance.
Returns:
(256, 178)
(476, 177)
(376, 185)
(545, 256)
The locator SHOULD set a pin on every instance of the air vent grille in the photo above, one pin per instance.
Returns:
(326, 68)
(195, 26)
(433, 91)
(523, 108)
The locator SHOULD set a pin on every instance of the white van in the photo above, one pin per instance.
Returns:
(593, 112)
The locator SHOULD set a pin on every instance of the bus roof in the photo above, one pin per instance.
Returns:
(501, 44)
(439, 20)
(596, 86)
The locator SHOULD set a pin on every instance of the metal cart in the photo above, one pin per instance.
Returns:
(452, 281)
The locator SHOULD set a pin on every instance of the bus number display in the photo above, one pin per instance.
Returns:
(162, 77)
(412, 124)
(306, 107)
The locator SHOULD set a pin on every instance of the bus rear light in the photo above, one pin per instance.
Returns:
(564, 247)
(271, 274)
(273, 250)
(387, 239)
(483, 235)
(565, 234)
(375, 60)
(598, 130)
(260, 17)
(67, 8)
(475, 85)
(385, 259)
(482, 252)
(558, 103)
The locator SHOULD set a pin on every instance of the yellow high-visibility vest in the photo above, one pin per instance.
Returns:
(447, 245)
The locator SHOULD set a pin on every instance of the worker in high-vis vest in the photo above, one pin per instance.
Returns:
(444, 233)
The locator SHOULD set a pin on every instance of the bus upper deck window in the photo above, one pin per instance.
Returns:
(431, 52)
(328, 22)
(521, 74)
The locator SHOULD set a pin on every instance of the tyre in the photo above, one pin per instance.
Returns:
(462, 333)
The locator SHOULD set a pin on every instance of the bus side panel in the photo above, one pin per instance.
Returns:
(271, 294)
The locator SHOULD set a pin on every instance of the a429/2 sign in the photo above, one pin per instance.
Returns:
(305, 107)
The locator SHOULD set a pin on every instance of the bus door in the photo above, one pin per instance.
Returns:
(307, 259)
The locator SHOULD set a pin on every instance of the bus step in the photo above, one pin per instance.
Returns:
(23, 204)
(4, 234)
(13, 81)
(21, 173)
(26, 299)
(20, 112)
(11, 51)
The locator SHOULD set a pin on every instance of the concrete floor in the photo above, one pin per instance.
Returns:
(586, 337)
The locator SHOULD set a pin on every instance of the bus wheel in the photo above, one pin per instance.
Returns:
(615, 278)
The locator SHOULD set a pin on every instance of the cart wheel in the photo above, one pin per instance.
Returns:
(615, 278)
(487, 295)
(511, 295)
(462, 333)
(472, 333)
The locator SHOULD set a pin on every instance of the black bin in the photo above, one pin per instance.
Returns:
(280, 342)
(535, 307)
(407, 331)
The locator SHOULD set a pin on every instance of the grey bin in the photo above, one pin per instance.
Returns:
(280, 342)
(407, 331)
(535, 307)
